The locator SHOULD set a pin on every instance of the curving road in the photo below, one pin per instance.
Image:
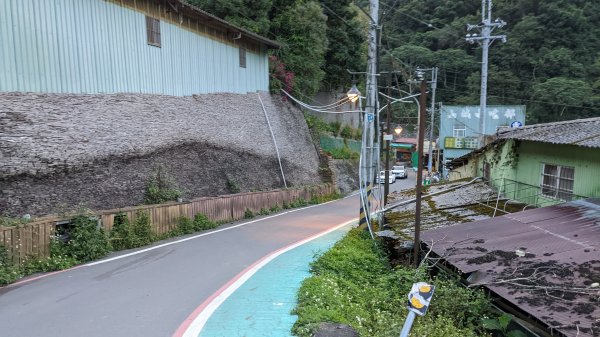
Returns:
(150, 292)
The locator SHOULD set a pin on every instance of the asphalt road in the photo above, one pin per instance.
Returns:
(152, 292)
(402, 184)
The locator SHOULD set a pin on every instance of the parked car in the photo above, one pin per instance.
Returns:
(381, 178)
(399, 171)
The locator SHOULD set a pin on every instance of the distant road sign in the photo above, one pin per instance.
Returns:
(370, 117)
(516, 124)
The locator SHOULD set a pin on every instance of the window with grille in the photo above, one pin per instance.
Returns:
(153, 31)
(470, 143)
(557, 181)
(242, 57)
(459, 130)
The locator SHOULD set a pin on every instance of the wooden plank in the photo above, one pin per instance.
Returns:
(36, 240)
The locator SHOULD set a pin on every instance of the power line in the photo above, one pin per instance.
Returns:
(528, 100)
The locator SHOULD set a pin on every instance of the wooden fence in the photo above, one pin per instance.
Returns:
(32, 240)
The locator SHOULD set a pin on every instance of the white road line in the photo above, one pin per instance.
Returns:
(200, 235)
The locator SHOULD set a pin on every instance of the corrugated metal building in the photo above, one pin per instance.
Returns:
(134, 46)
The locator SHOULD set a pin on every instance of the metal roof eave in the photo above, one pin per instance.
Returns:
(253, 36)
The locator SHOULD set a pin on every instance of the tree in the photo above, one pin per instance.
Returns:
(346, 41)
(561, 98)
(302, 31)
(249, 14)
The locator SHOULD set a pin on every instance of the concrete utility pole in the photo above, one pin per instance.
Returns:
(420, 141)
(434, 73)
(368, 154)
(485, 39)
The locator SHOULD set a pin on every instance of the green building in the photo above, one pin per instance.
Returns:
(540, 164)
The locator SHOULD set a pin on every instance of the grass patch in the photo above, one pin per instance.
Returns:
(354, 284)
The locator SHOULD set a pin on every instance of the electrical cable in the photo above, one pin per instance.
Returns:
(316, 110)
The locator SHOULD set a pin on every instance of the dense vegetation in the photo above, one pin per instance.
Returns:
(550, 62)
(353, 284)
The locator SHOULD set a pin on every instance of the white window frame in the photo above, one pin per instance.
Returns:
(456, 131)
(555, 191)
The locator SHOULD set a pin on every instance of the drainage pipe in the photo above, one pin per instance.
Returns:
(274, 141)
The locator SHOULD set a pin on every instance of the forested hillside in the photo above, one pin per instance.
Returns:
(551, 61)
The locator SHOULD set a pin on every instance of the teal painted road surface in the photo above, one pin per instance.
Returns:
(262, 306)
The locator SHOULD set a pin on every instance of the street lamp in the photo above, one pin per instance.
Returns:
(353, 94)
(398, 130)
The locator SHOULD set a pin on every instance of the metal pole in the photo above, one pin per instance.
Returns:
(408, 324)
(422, 116)
(484, 77)
(485, 40)
(386, 191)
(440, 165)
(434, 72)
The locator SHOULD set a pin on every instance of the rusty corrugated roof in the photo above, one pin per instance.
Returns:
(580, 132)
(543, 261)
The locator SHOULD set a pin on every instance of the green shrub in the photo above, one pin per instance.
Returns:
(233, 186)
(121, 232)
(317, 123)
(185, 225)
(334, 127)
(347, 132)
(344, 153)
(141, 233)
(161, 187)
(248, 214)
(48, 264)
(263, 211)
(86, 241)
(126, 235)
(299, 203)
(8, 272)
(6, 221)
(201, 222)
(358, 134)
(274, 209)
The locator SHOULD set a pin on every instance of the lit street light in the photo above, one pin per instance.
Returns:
(353, 93)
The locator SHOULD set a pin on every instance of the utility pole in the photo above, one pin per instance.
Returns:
(485, 39)
(420, 141)
(368, 153)
(434, 73)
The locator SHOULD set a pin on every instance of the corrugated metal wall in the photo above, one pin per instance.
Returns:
(93, 46)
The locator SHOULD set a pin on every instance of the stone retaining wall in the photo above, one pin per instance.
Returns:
(59, 150)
